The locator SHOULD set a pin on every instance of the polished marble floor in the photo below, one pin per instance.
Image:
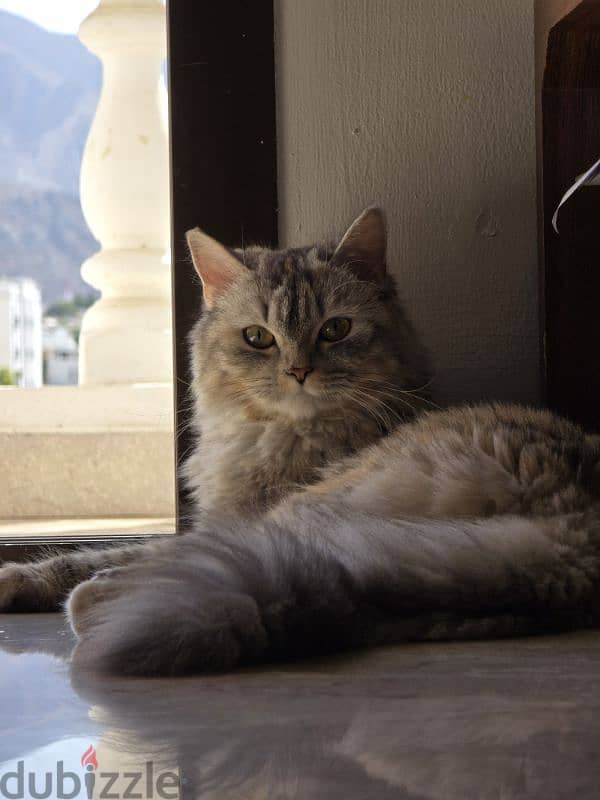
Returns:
(486, 720)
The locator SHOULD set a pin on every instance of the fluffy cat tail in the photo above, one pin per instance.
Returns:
(327, 579)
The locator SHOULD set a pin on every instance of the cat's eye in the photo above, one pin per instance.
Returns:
(335, 329)
(258, 337)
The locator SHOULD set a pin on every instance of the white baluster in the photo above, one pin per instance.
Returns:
(126, 334)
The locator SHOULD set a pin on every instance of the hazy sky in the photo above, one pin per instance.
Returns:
(63, 16)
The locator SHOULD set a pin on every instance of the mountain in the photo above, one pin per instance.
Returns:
(49, 86)
(43, 236)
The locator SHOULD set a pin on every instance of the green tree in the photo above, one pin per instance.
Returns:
(68, 308)
(6, 377)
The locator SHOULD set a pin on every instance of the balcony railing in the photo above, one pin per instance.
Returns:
(105, 447)
(126, 335)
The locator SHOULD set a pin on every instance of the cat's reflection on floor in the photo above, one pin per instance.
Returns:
(372, 725)
(276, 736)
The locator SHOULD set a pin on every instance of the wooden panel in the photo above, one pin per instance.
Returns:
(571, 275)
(223, 147)
(547, 14)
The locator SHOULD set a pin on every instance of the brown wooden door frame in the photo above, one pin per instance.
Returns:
(223, 151)
(570, 273)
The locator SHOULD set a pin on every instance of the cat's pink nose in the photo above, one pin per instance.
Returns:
(299, 373)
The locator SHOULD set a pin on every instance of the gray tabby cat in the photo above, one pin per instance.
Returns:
(327, 518)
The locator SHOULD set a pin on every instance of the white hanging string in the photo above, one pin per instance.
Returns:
(587, 177)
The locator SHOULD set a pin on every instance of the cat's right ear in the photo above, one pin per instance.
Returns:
(215, 265)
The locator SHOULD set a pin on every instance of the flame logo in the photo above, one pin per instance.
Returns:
(89, 758)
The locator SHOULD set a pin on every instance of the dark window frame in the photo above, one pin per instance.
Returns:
(221, 70)
(223, 151)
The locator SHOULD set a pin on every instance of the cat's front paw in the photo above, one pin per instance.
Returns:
(86, 597)
(130, 625)
(23, 587)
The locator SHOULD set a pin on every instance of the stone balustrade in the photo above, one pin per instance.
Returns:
(126, 334)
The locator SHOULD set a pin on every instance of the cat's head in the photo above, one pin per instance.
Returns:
(300, 331)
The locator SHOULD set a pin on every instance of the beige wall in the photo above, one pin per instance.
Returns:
(427, 107)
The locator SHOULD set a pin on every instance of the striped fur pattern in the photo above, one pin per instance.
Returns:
(324, 518)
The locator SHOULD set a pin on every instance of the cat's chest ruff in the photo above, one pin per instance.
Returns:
(248, 465)
(272, 442)
(251, 464)
(299, 439)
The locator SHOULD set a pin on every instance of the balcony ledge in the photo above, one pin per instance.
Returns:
(87, 451)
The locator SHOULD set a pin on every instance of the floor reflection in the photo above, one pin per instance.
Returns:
(486, 720)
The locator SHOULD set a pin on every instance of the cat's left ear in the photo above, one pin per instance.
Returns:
(215, 265)
(362, 248)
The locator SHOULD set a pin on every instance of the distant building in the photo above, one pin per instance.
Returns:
(21, 330)
(60, 354)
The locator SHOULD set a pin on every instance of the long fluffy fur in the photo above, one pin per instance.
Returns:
(329, 579)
